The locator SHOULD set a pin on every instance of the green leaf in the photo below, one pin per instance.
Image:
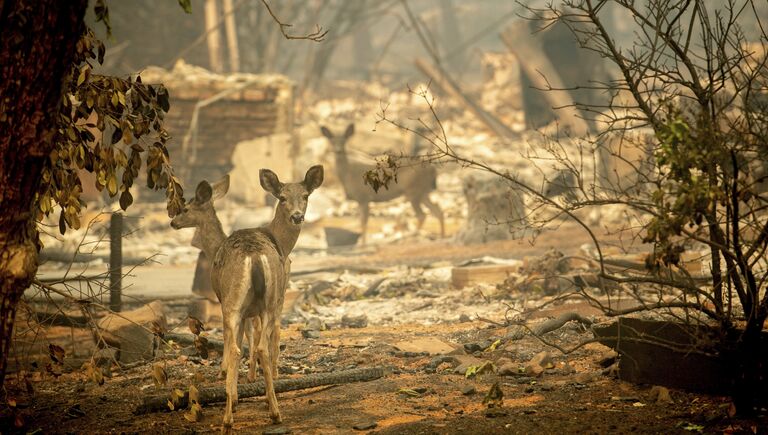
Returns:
(186, 5)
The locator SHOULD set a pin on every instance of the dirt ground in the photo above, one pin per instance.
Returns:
(419, 395)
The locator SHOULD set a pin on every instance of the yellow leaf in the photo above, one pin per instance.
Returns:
(194, 395)
(409, 392)
(492, 347)
(112, 184)
(115, 99)
(195, 413)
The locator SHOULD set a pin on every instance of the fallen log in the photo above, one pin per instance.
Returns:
(218, 394)
(212, 343)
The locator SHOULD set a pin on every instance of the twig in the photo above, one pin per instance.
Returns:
(317, 36)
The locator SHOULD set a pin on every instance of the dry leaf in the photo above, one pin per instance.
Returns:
(495, 396)
(201, 345)
(195, 325)
(159, 375)
(194, 394)
(195, 413)
(57, 353)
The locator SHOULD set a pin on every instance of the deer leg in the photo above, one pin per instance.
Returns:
(364, 212)
(264, 356)
(436, 212)
(253, 366)
(274, 346)
(233, 328)
(420, 216)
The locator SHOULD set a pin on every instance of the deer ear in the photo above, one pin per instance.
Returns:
(327, 133)
(314, 178)
(203, 192)
(221, 187)
(349, 131)
(270, 182)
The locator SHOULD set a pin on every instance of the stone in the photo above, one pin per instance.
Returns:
(130, 331)
(660, 395)
(585, 378)
(465, 362)
(428, 345)
(360, 321)
(509, 369)
(468, 390)
(278, 430)
(310, 333)
(464, 318)
(608, 358)
(365, 425)
(534, 370)
(543, 359)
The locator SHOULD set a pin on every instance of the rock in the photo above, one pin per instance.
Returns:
(130, 331)
(340, 236)
(316, 324)
(464, 318)
(543, 359)
(468, 390)
(420, 390)
(360, 321)
(478, 346)
(509, 369)
(310, 333)
(278, 430)
(585, 378)
(660, 395)
(534, 370)
(428, 345)
(503, 361)
(465, 362)
(365, 425)
(608, 358)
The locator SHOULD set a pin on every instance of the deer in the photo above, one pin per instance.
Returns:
(413, 182)
(249, 275)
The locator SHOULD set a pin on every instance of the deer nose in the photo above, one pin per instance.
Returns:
(175, 225)
(297, 218)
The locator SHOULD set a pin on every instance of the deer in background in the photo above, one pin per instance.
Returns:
(250, 274)
(414, 182)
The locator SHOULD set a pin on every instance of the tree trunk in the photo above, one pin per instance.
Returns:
(36, 52)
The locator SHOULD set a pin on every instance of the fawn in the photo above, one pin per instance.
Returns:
(414, 182)
(250, 273)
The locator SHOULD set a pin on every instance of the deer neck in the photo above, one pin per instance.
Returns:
(286, 234)
(209, 236)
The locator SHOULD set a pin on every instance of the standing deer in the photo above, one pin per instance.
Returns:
(414, 182)
(250, 273)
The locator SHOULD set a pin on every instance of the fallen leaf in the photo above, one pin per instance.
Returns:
(492, 347)
(195, 325)
(409, 392)
(194, 394)
(159, 375)
(486, 367)
(57, 353)
(495, 396)
(195, 413)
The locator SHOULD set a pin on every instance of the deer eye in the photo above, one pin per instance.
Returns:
(282, 199)
(306, 197)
